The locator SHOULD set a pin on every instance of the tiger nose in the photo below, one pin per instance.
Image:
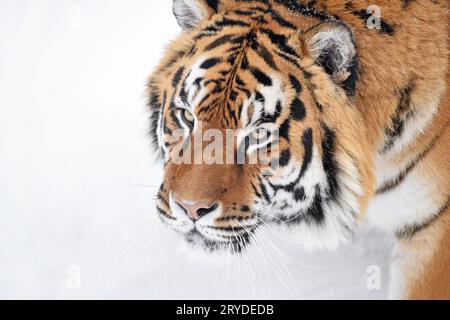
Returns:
(196, 210)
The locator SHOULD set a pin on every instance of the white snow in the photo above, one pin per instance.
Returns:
(77, 176)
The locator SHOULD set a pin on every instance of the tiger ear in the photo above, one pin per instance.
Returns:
(189, 13)
(332, 46)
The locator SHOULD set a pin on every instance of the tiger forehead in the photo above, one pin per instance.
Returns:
(234, 77)
(210, 94)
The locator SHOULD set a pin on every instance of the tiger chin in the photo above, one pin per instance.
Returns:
(318, 116)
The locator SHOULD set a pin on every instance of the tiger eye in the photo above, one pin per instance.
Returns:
(188, 117)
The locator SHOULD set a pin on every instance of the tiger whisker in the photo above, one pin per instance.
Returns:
(275, 268)
(288, 275)
(252, 270)
(260, 252)
(293, 242)
(141, 185)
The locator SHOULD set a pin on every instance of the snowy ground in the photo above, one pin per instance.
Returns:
(77, 177)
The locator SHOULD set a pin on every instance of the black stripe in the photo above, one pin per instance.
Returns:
(235, 218)
(280, 41)
(166, 129)
(364, 15)
(239, 81)
(154, 99)
(164, 99)
(349, 85)
(314, 214)
(306, 10)
(228, 228)
(208, 32)
(401, 115)
(319, 107)
(244, 90)
(255, 190)
(177, 77)
(288, 58)
(299, 194)
(174, 118)
(184, 95)
(240, 107)
(261, 77)
(155, 107)
(198, 82)
(285, 157)
(262, 51)
(163, 213)
(232, 114)
(214, 81)
(214, 4)
(295, 83)
(264, 190)
(273, 117)
(284, 130)
(209, 63)
(219, 41)
(329, 161)
(281, 21)
(307, 74)
(244, 62)
(233, 95)
(231, 22)
(307, 142)
(389, 185)
(259, 97)
(406, 3)
(161, 198)
(243, 12)
(298, 111)
(410, 230)
(247, 1)
(260, 9)
(262, 2)
(211, 29)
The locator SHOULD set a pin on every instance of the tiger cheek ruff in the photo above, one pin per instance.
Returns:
(350, 106)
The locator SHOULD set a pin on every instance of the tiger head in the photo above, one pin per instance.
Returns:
(246, 77)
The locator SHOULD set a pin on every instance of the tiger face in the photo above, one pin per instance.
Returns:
(252, 116)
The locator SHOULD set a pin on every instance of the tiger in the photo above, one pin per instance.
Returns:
(349, 100)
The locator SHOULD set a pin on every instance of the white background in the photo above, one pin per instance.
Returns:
(78, 176)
